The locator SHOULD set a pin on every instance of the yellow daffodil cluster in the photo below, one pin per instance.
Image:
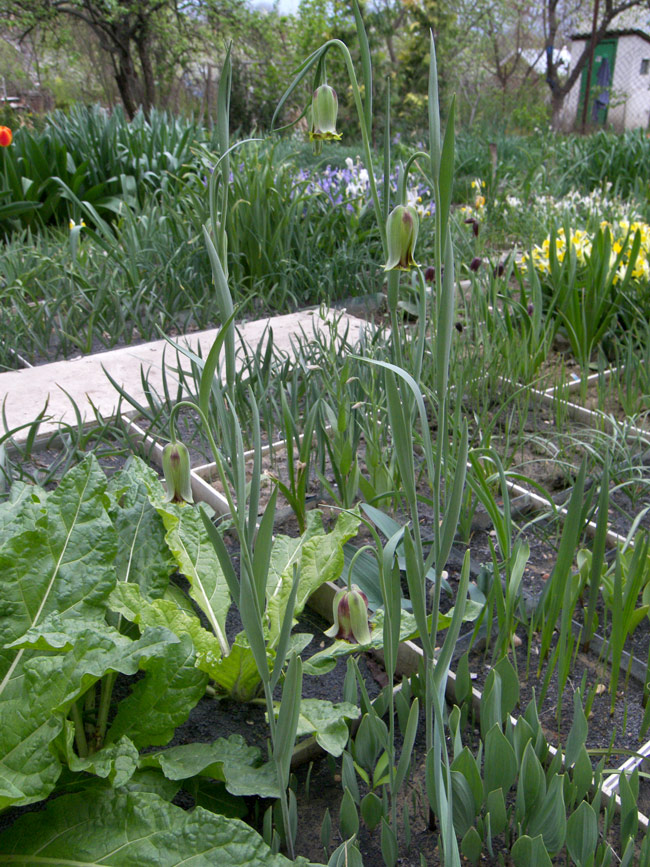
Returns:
(622, 237)
(476, 211)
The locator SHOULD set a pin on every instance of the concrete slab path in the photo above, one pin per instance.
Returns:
(25, 392)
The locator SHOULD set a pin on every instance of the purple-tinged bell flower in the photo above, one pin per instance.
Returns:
(474, 224)
(176, 467)
(402, 228)
(530, 308)
(475, 264)
(499, 269)
(350, 610)
(430, 274)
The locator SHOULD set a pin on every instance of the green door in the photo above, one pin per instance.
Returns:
(602, 76)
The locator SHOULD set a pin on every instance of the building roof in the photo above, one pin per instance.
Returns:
(630, 21)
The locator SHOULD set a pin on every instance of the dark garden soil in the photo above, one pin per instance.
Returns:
(46, 463)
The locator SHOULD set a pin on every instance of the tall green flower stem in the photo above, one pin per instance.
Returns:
(406, 404)
(248, 590)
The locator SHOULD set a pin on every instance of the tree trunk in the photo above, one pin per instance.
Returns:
(149, 97)
(557, 103)
(127, 83)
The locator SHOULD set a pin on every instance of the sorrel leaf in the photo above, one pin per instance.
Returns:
(230, 760)
(188, 541)
(142, 555)
(37, 700)
(326, 722)
(162, 700)
(62, 561)
(115, 829)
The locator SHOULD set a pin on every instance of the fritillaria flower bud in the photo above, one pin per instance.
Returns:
(324, 108)
(475, 264)
(350, 609)
(402, 228)
(176, 467)
(430, 274)
(474, 224)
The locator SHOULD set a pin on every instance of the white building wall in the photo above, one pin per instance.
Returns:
(630, 97)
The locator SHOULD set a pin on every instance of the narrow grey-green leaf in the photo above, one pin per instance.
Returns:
(582, 833)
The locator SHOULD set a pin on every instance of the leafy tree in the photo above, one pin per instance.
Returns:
(126, 31)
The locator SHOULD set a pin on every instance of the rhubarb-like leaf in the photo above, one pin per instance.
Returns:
(116, 763)
(230, 760)
(320, 558)
(196, 558)
(128, 601)
(114, 829)
(42, 690)
(62, 562)
(142, 555)
(326, 722)
(161, 700)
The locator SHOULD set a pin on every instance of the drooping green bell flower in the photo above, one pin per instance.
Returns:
(324, 109)
(350, 609)
(402, 228)
(176, 467)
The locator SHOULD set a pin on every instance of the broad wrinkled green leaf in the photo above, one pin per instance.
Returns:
(230, 760)
(128, 601)
(327, 722)
(62, 562)
(196, 558)
(21, 510)
(46, 688)
(236, 674)
(161, 700)
(117, 829)
(320, 558)
(142, 555)
(116, 763)
(212, 795)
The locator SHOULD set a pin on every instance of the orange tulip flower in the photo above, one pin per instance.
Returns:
(6, 136)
